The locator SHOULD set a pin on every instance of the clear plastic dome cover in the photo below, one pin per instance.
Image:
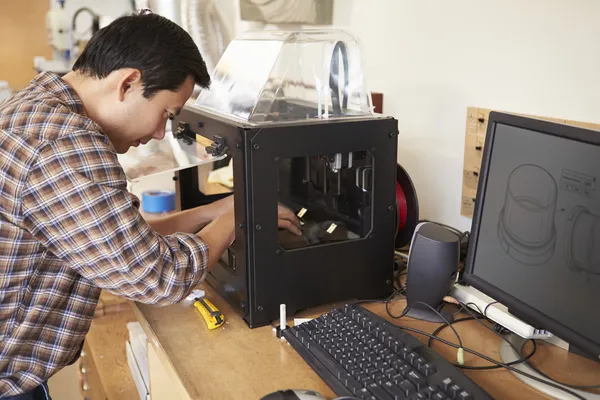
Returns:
(269, 76)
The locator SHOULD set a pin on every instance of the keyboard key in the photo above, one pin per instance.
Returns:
(389, 342)
(419, 361)
(354, 385)
(384, 335)
(362, 393)
(439, 396)
(385, 352)
(427, 369)
(378, 392)
(417, 379)
(377, 347)
(405, 370)
(446, 383)
(343, 377)
(396, 345)
(403, 352)
(412, 357)
(408, 388)
(327, 360)
(379, 377)
(454, 391)
(419, 396)
(464, 395)
(429, 391)
(393, 390)
(390, 372)
(309, 326)
(397, 378)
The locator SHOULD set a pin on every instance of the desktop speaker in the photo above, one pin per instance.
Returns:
(432, 267)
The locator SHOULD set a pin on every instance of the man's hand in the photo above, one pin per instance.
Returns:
(286, 219)
(195, 219)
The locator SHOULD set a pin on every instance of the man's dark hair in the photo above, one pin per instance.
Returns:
(163, 51)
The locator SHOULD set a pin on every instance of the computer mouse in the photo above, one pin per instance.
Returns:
(294, 394)
(298, 394)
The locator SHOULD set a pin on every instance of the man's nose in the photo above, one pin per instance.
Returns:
(160, 133)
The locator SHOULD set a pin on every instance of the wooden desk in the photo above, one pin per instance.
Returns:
(103, 365)
(235, 362)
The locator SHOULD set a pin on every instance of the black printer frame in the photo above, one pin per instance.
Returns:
(256, 275)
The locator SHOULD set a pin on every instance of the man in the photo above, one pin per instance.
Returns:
(68, 226)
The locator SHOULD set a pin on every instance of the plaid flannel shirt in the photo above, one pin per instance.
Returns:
(69, 227)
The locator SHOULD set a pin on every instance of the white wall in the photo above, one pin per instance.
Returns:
(433, 58)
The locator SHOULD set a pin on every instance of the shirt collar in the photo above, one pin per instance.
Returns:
(53, 83)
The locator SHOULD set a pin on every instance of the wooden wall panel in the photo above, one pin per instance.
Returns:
(22, 37)
(477, 121)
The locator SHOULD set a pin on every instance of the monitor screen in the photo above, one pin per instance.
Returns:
(536, 232)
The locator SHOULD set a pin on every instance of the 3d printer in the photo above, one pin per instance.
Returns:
(292, 112)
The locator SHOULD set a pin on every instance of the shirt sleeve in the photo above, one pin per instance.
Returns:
(76, 204)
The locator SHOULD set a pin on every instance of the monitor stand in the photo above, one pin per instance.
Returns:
(508, 354)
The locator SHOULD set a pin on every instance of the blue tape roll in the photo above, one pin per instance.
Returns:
(158, 201)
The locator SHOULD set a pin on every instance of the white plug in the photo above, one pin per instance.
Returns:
(282, 317)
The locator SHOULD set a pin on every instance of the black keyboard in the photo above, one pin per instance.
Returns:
(360, 354)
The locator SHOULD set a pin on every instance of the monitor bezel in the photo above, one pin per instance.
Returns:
(531, 315)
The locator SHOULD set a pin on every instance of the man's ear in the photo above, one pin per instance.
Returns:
(129, 82)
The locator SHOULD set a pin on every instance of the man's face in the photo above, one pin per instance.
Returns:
(137, 120)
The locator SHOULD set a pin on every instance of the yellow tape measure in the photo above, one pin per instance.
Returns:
(212, 316)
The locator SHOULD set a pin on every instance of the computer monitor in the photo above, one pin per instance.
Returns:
(535, 237)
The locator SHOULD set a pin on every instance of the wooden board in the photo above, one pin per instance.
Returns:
(236, 362)
(105, 346)
(476, 128)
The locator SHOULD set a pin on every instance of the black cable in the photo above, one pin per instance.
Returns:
(407, 309)
(478, 318)
(486, 307)
(518, 351)
(484, 367)
(483, 356)
(401, 288)
(384, 300)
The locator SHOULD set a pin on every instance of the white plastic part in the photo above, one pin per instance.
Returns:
(460, 356)
(497, 312)
(196, 293)
(282, 317)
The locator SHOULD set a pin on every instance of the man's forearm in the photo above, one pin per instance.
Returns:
(188, 221)
(192, 220)
(218, 236)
